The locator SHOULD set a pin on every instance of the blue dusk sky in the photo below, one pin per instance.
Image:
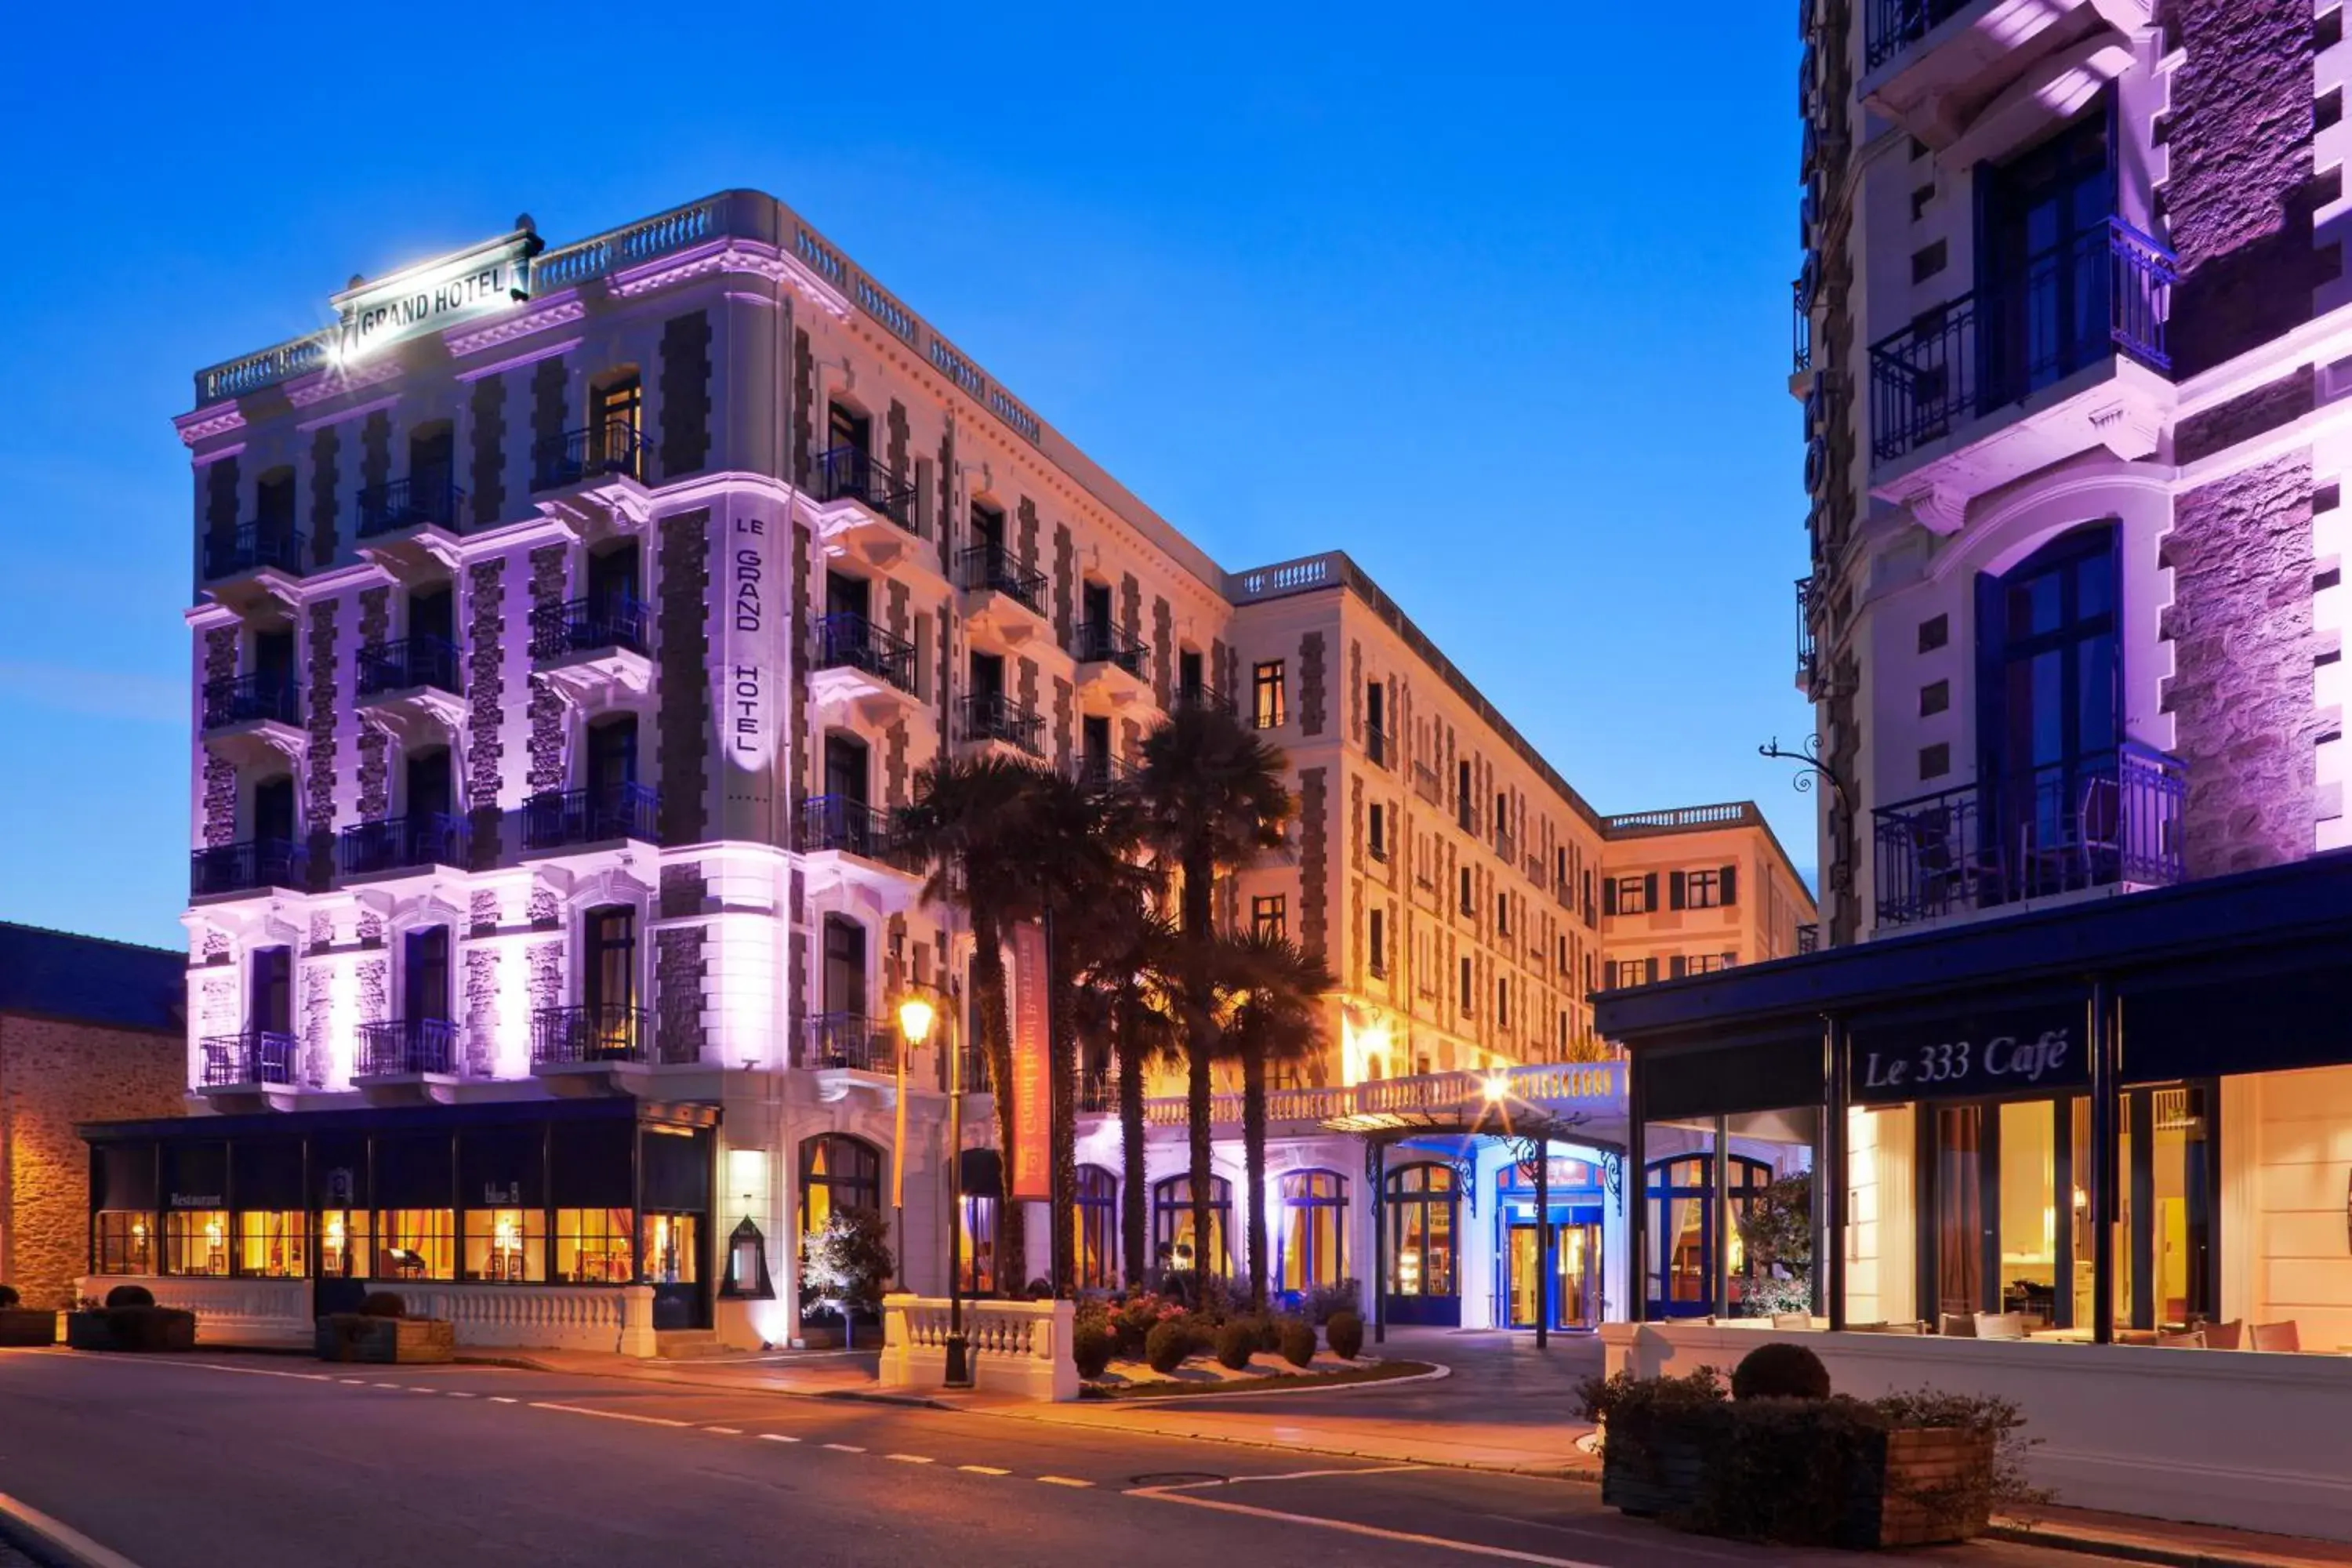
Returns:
(1495, 298)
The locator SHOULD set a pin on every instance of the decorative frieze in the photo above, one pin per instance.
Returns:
(482, 912)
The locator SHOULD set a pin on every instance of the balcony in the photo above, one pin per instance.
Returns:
(256, 699)
(416, 502)
(837, 824)
(2007, 380)
(2109, 822)
(1505, 846)
(593, 647)
(610, 450)
(1378, 747)
(846, 1042)
(1805, 649)
(1808, 938)
(606, 1034)
(1099, 773)
(408, 664)
(1427, 785)
(254, 1059)
(408, 1048)
(990, 717)
(1113, 668)
(1800, 333)
(253, 562)
(1959, 73)
(863, 667)
(847, 474)
(1202, 697)
(418, 840)
(245, 868)
(1007, 596)
(574, 818)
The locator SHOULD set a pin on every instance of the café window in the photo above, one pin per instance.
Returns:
(671, 1251)
(272, 1243)
(979, 1244)
(344, 1249)
(836, 1171)
(1314, 1226)
(1096, 1224)
(124, 1242)
(506, 1245)
(195, 1242)
(1423, 1206)
(593, 1246)
(1171, 1224)
(1681, 1234)
(416, 1243)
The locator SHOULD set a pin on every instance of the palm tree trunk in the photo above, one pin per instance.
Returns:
(1062, 1115)
(1131, 1137)
(1200, 1046)
(1253, 1157)
(996, 1041)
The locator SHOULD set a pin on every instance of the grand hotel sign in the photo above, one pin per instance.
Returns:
(435, 295)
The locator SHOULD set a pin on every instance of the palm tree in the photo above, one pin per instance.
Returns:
(1209, 794)
(1129, 959)
(968, 824)
(1272, 1019)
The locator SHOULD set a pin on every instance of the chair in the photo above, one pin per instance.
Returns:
(2274, 1337)
(1958, 1325)
(2228, 1336)
(2000, 1325)
(2194, 1340)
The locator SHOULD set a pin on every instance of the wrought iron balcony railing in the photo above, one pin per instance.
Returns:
(254, 1056)
(1101, 642)
(245, 699)
(2102, 821)
(1207, 699)
(1426, 784)
(1098, 1091)
(850, 1040)
(589, 626)
(400, 1045)
(835, 822)
(1805, 652)
(990, 567)
(848, 640)
(1099, 772)
(848, 473)
(1895, 25)
(2105, 291)
(254, 547)
(1800, 350)
(992, 716)
(406, 503)
(241, 868)
(408, 663)
(556, 818)
(611, 449)
(1377, 748)
(1505, 845)
(606, 1032)
(420, 839)
(1808, 938)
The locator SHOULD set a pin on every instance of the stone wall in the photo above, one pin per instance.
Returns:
(53, 1076)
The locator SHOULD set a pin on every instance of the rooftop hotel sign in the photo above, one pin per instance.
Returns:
(435, 295)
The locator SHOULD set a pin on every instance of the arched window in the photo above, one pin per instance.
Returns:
(1172, 1225)
(1681, 1238)
(1314, 1229)
(838, 1172)
(1422, 1210)
(1096, 1226)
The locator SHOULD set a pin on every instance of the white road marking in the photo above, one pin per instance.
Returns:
(844, 1447)
(910, 1459)
(776, 1438)
(984, 1470)
(1064, 1481)
(81, 1547)
(456, 1394)
(500, 1399)
(607, 1415)
(415, 1388)
(1349, 1526)
(1287, 1475)
(356, 1382)
(394, 1387)
(726, 1431)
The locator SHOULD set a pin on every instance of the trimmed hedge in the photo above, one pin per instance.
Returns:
(131, 1296)
(1090, 1347)
(9, 1299)
(1297, 1337)
(1344, 1333)
(1167, 1345)
(383, 1304)
(1236, 1342)
(1781, 1371)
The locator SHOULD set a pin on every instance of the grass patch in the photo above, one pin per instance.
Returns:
(1378, 1371)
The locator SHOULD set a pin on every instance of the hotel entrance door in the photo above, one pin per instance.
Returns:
(1575, 1293)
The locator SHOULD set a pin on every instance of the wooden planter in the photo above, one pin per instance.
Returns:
(1922, 1486)
(1662, 1472)
(21, 1326)
(132, 1329)
(385, 1342)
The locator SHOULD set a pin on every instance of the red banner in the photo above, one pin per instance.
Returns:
(1032, 1143)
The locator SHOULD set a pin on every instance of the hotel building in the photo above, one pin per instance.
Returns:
(568, 622)
(2072, 339)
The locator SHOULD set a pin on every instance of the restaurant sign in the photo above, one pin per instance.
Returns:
(1967, 1056)
(435, 295)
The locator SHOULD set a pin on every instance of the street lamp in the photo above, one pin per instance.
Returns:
(916, 1015)
(914, 1023)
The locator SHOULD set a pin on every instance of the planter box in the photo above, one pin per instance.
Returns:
(132, 1329)
(1922, 1486)
(385, 1342)
(22, 1326)
(1668, 1478)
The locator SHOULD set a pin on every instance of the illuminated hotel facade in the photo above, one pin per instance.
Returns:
(568, 623)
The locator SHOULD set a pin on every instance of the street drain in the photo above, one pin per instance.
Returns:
(1179, 1478)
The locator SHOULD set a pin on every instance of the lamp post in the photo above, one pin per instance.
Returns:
(915, 1016)
(913, 1025)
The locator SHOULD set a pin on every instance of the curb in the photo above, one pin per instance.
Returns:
(51, 1543)
(2058, 1537)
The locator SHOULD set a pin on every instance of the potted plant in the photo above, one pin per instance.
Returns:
(21, 1325)
(129, 1320)
(845, 1263)
(1776, 1248)
(382, 1332)
(1655, 1435)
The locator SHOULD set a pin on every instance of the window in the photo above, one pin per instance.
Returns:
(1268, 709)
(1469, 899)
(1466, 1003)
(506, 1245)
(272, 1243)
(1095, 1227)
(346, 1249)
(1503, 1000)
(1171, 1224)
(593, 1247)
(1380, 942)
(1376, 725)
(1561, 941)
(672, 1256)
(1502, 913)
(1421, 1205)
(1314, 1229)
(125, 1242)
(196, 1241)
(1684, 1221)
(1563, 1028)
(979, 1244)
(416, 1243)
(616, 414)
(1629, 895)
(1376, 836)
(838, 1172)
(1700, 889)
(1269, 917)
(1465, 810)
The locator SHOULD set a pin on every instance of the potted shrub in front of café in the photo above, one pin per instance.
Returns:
(383, 1334)
(21, 1325)
(129, 1320)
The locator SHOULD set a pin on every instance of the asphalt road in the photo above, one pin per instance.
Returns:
(226, 1461)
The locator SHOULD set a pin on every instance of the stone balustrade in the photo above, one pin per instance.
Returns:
(1017, 1348)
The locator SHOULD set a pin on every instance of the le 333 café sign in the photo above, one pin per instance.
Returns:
(1957, 1058)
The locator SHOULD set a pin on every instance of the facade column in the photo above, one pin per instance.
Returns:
(1718, 1266)
(1636, 1191)
(1829, 1270)
(1543, 1243)
(2104, 1185)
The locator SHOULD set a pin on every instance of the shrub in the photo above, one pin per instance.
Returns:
(383, 1304)
(1325, 1299)
(1090, 1347)
(1167, 1345)
(1236, 1342)
(1781, 1371)
(10, 1299)
(131, 1296)
(1297, 1337)
(1344, 1333)
(1269, 1331)
(847, 1261)
(150, 1328)
(1039, 1289)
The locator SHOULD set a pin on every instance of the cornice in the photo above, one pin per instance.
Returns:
(557, 310)
(204, 424)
